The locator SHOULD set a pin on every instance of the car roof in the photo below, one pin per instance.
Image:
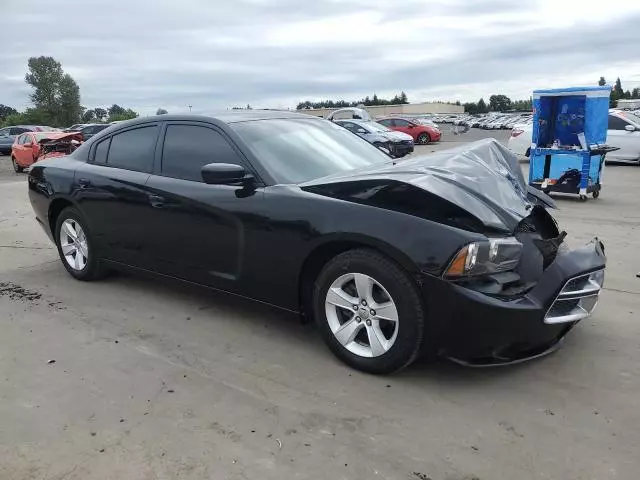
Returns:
(232, 116)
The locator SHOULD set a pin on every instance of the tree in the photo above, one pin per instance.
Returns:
(5, 111)
(403, 98)
(161, 111)
(101, 113)
(45, 75)
(602, 82)
(68, 102)
(618, 88)
(635, 93)
(89, 116)
(499, 103)
(470, 107)
(482, 106)
(125, 114)
(115, 110)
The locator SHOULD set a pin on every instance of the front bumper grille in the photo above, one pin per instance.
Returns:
(577, 299)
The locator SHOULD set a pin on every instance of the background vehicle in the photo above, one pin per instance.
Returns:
(30, 147)
(398, 144)
(9, 134)
(88, 130)
(623, 133)
(421, 134)
(296, 212)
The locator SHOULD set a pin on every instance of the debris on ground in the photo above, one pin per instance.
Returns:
(16, 292)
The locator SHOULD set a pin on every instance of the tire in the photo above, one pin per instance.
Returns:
(90, 269)
(395, 344)
(16, 167)
(423, 139)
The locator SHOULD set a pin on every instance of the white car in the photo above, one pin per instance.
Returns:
(623, 132)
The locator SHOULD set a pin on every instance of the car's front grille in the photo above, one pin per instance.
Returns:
(577, 299)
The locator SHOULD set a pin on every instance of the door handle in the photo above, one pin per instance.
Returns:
(84, 182)
(156, 201)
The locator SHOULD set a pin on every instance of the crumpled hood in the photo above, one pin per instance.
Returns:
(483, 178)
(61, 137)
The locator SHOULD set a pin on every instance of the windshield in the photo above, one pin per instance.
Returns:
(630, 116)
(377, 127)
(298, 150)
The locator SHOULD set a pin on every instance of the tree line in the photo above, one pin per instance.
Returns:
(617, 93)
(367, 102)
(55, 100)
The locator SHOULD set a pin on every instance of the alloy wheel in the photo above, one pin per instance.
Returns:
(361, 315)
(423, 139)
(73, 243)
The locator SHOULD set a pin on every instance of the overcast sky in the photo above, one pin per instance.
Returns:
(215, 54)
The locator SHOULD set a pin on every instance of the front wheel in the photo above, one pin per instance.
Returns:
(424, 139)
(369, 312)
(16, 167)
(75, 245)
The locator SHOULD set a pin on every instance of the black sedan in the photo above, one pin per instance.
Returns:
(448, 253)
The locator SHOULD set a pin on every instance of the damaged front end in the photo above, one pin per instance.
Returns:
(58, 145)
(515, 289)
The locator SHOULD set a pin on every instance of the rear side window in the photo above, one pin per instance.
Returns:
(616, 123)
(22, 139)
(100, 157)
(133, 149)
(401, 123)
(386, 123)
(17, 130)
(187, 148)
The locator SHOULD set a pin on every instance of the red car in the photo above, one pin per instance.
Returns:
(422, 134)
(30, 147)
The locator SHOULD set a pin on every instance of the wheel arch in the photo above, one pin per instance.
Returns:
(334, 245)
(56, 207)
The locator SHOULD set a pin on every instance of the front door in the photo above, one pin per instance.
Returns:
(628, 142)
(200, 232)
(403, 126)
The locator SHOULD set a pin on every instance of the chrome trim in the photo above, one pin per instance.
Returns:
(584, 296)
(466, 363)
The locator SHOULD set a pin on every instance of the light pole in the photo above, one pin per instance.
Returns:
(189, 107)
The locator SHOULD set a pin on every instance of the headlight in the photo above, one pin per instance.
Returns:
(484, 258)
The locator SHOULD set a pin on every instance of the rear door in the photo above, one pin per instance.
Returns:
(200, 232)
(627, 142)
(112, 193)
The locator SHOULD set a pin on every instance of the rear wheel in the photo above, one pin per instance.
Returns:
(16, 167)
(424, 138)
(369, 312)
(75, 245)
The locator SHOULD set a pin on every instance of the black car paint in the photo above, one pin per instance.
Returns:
(264, 241)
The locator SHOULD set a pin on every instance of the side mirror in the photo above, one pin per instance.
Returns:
(224, 174)
(630, 128)
(361, 130)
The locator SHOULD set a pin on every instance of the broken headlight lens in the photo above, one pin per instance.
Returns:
(494, 255)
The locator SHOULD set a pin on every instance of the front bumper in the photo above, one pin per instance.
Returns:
(401, 149)
(481, 330)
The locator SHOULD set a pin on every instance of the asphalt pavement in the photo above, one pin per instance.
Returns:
(137, 378)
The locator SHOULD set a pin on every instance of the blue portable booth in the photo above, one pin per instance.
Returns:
(569, 136)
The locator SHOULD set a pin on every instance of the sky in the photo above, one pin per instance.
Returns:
(217, 54)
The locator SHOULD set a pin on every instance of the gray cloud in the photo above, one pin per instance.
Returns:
(276, 52)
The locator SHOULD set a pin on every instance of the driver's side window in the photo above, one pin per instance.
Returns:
(401, 123)
(187, 148)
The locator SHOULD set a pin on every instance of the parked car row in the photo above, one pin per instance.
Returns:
(623, 133)
(9, 134)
